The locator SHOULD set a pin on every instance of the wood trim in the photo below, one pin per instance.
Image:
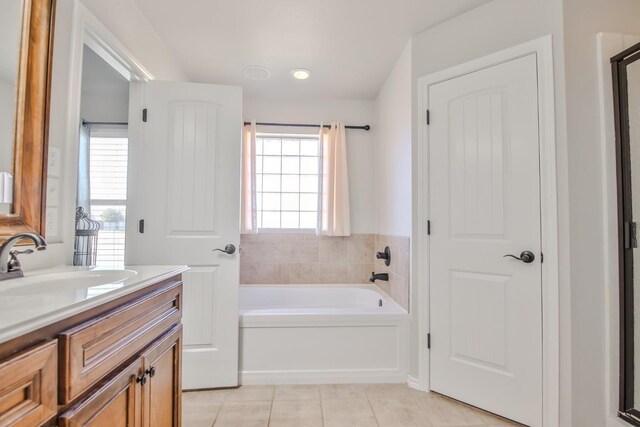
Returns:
(32, 121)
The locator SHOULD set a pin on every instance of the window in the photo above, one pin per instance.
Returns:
(108, 154)
(287, 181)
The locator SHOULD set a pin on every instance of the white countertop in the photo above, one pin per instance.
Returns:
(46, 296)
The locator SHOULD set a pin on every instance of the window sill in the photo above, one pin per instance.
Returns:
(286, 231)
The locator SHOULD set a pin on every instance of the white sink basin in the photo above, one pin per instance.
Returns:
(46, 296)
(57, 283)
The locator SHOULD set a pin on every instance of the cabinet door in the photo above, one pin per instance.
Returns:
(28, 387)
(117, 403)
(162, 392)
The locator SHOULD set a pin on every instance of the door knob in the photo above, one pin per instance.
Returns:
(229, 249)
(527, 257)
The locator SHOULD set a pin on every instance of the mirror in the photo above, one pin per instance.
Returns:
(26, 41)
(10, 32)
(626, 77)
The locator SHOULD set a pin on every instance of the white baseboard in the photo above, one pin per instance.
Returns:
(323, 377)
(414, 383)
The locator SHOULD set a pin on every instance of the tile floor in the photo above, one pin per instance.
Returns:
(344, 405)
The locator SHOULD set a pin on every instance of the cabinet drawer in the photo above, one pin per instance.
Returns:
(28, 388)
(92, 350)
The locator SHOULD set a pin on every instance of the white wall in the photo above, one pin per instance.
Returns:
(123, 19)
(10, 35)
(360, 144)
(7, 131)
(7, 122)
(10, 21)
(105, 93)
(489, 28)
(392, 154)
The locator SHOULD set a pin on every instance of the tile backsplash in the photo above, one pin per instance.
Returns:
(287, 258)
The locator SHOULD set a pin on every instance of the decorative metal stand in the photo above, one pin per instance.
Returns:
(86, 242)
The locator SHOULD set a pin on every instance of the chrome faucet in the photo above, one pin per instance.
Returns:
(10, 267)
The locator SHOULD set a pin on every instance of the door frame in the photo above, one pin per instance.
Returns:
(88, 30)
(543, 49)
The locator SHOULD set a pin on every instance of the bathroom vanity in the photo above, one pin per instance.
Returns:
(91, 347)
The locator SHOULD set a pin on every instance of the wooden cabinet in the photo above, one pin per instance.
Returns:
(119, 366)
(94, 348)
(117, 402)
(28, 387)
(146, 393)
(162, 393)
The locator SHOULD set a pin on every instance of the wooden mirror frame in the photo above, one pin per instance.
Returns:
(32, 121)
(628, 409)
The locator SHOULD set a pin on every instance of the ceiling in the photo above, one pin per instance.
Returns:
(349, 45)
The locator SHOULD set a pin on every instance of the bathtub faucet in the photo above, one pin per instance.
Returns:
(379, 276)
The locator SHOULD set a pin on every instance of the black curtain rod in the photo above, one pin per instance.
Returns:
(86, 123)
(365, 127)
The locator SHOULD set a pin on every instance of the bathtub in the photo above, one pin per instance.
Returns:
(321, 334)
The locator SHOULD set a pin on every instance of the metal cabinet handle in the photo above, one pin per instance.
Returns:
(229, 249)
(151, 371)
(527, 257)
(142, 379)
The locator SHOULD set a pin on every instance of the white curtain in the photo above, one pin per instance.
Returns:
(249, 220)
(334, 215)
(83, 197)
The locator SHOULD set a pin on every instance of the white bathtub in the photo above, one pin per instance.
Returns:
(297, 334)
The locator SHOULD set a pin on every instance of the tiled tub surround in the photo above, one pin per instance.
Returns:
(299, 258)
(399, 278)
(287, 258)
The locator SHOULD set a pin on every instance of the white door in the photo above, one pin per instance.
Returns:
(486, 322)
(187, 190)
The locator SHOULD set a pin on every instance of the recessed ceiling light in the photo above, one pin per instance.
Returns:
(255, 72)
(300, 73)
